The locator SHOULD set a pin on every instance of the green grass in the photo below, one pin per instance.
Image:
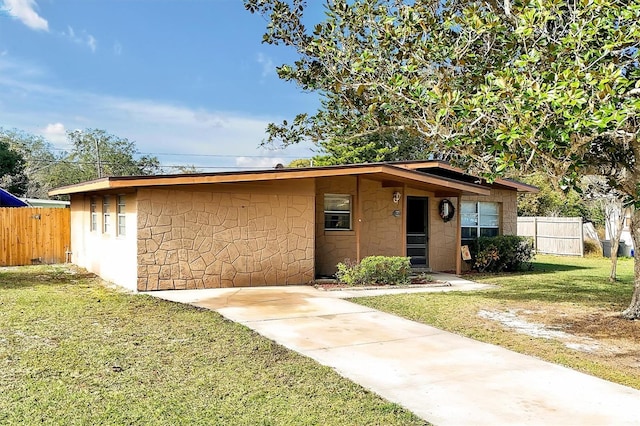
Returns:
(566, 293)
(73, 351)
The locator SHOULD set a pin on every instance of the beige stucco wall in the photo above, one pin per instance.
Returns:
(226, 235)
(380, 232)
(110, 256)
(442, 237)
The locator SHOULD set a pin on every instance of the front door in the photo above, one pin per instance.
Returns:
(418, 231)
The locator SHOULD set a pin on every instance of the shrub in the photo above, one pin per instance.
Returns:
(592, 247)
(375, 270)
(503, 253)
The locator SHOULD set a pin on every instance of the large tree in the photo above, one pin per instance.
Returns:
(96, 153)
(372, 148)
(544, 85)
(12, 177)
(40, 160)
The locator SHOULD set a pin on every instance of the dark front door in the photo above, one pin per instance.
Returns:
(418, 231)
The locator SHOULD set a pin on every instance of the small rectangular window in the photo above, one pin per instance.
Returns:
(106, 214)
(93, 219)
(120, 211)
(337, 212)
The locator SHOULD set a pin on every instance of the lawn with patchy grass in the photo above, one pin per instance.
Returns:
(564, 311)
(73, 351)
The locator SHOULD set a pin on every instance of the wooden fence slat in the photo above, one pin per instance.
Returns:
(34, 235)
(554, 235)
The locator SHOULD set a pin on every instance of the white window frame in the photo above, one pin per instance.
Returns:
(106, 214)
(478, 220)
(121, 218)
(336, 214)
(93, 214)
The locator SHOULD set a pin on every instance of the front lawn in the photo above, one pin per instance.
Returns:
(73, 351)
(564, 311)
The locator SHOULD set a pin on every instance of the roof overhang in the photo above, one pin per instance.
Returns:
(389, 175)
(442, 165)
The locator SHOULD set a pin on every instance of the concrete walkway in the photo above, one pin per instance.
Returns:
(444, 378)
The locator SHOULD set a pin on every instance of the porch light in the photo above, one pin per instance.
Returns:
(396, 197)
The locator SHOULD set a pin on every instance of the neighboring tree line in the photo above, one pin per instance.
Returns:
(30, 166)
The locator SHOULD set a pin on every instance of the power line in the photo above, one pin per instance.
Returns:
(179, 154)
(171, 166)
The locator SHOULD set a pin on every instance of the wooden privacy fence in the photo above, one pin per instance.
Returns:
(554, 235)
(31, 235)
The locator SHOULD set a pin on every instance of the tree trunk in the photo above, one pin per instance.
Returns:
(615, 241)
(633, 311)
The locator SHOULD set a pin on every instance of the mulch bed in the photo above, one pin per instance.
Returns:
(415, 283)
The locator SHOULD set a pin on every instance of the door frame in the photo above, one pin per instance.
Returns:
(409, 246)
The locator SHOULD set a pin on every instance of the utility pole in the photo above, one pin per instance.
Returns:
(99, 163)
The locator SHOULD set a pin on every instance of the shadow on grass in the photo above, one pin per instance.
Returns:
(22, 277)
(541, 268)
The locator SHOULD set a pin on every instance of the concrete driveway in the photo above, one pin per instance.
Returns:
(444, 378)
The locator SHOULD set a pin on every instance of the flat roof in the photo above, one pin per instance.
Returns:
(435, 176)
(389, 174)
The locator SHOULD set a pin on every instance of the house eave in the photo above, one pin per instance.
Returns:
(384, 172)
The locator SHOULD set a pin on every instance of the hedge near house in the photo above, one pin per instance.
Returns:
(506, 253)
(375, 270)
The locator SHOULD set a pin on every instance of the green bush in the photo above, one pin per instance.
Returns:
(503, 253)
(375, 270)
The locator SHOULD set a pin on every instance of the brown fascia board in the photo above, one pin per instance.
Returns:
(517, 185)
(378, 170)
(506, 183)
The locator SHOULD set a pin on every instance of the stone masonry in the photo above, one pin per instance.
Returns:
(190, 238)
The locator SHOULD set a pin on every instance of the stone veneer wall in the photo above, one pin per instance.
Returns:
(226, 235)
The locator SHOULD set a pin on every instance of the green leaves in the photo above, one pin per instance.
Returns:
(538, 87)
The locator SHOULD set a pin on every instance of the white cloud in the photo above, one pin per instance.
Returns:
(208, 139)
(117, 48)
(91, 42)
(260, 163)
(23, 10)
(83, 38)
(266, 63)
(55, 132)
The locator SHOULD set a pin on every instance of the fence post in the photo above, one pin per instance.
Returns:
(535, 233)
(581, 237)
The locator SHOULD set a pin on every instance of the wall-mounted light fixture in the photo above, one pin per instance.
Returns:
(396, 197)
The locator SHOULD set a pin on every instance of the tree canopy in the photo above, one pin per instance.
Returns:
(94, 153)
(12, 177)
(544, 85)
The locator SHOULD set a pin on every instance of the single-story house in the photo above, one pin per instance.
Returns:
(49, 204)
(280, 226)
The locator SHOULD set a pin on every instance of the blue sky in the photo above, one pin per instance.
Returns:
(175, 76)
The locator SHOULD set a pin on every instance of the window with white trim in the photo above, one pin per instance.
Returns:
(121, 217)
(479, 219)
(337, 212)
(93, 217)
(106, 214)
